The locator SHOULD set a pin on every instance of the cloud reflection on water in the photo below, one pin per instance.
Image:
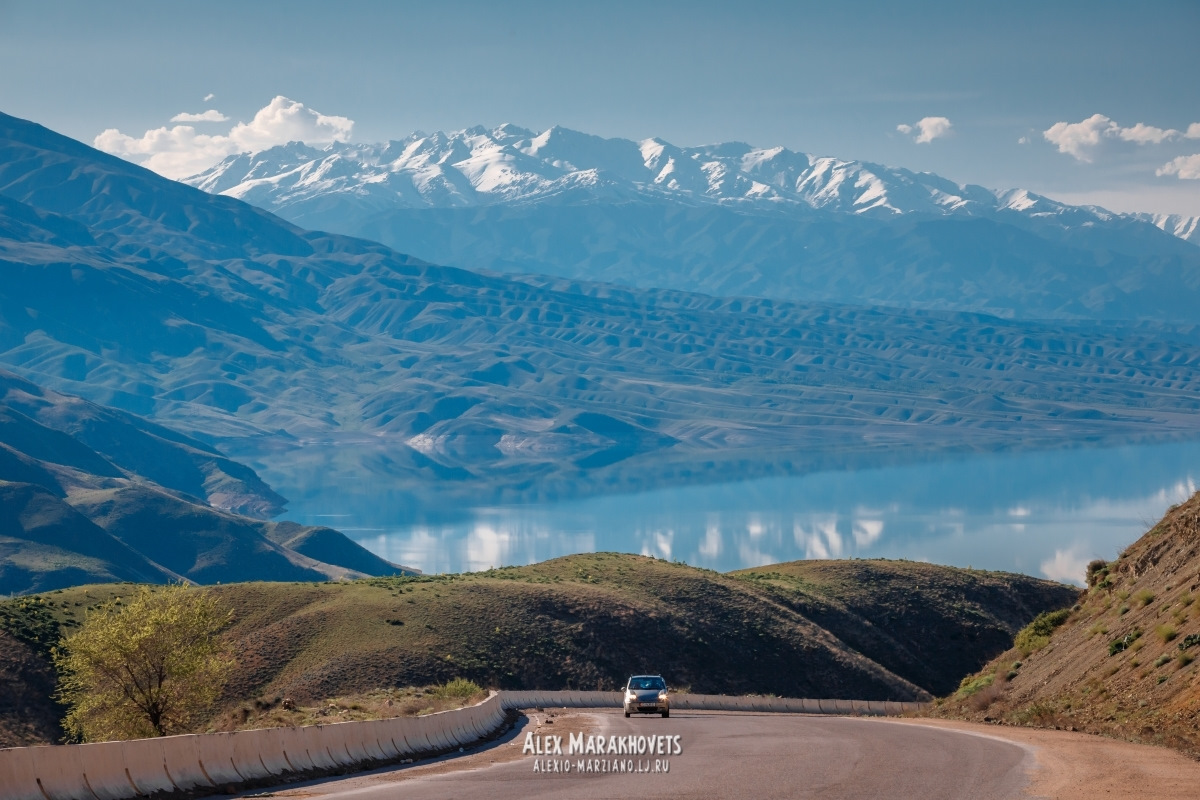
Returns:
(1039, 513)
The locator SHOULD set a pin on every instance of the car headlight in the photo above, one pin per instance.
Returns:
(662, 695)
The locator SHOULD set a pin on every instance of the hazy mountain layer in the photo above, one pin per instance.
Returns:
(727, 219)
(225, 321)
(71, 514)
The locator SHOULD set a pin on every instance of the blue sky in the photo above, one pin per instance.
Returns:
(830, 79)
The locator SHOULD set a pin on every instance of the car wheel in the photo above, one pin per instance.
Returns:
(626, 715)
(666, 714)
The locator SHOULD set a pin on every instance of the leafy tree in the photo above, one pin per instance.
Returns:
(148, 666)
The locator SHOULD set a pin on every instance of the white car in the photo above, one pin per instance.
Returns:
(647, 694)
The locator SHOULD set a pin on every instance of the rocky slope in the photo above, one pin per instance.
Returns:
(1122, 662)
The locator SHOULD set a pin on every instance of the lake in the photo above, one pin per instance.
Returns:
(1040, 513)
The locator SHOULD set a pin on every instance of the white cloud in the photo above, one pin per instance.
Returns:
(1078, 138)
(1023, 140)
(1082, 139)
(1186, 167)
(179, 151)
(212, 115)
(928, 129)
(1067, 566)
(209, 96)
(1147, 134)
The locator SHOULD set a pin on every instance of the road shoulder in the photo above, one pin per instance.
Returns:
(1083, 766)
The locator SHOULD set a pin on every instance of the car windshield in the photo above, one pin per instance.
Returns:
(647, 683)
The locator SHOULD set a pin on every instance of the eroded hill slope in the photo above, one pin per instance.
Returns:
(1123, 662)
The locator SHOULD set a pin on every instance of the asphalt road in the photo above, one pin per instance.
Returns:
(727, 755)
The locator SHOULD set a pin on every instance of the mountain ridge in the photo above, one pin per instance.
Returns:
(232, 325)
(421, 169)
(727, 219)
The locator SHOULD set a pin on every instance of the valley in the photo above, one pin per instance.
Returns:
(231, 325)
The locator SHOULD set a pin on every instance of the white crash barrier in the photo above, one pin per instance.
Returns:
(181, 760)
(103, 768)
(146, 766)
(18, 776)
(248, 747)
(124, 770)
(313, 740)
(712, 702)
(214, 756)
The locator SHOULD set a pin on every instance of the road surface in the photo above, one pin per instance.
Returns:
(723, 754)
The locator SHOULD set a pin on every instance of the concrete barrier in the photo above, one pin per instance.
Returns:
(316, 747)
(182, 763)
(103, 765)
(214, 755)
(18, 776)
(60, 775)
(146, 765)
(414, 736)
(270, 751)
(435, 731)
(123, 770)
(247, 758)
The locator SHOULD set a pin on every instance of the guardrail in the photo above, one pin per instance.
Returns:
(714, 702)
(219, 762)
(223, 762)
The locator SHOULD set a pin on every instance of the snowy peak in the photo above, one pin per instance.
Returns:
(1186, 228)
(510, 164)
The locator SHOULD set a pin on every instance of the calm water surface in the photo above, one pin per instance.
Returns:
(1045, 513)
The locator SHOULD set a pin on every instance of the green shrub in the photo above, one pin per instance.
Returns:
(459, 688)
(1036, 634)
(1145, 597)
(1184, 659)
(975, 683)
(1161, 660)
(1189, 640)
(1166, 633)
(1124, 642)
(1097, 571)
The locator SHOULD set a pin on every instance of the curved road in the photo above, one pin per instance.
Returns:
(738, 755)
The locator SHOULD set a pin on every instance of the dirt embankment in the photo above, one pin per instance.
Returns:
(1122, 663)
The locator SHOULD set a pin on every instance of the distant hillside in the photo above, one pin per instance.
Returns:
(587, 621)
(229, 324)
(72, 432)
(1122, 662)
(926, 623)
(71, 514)
(727, 219)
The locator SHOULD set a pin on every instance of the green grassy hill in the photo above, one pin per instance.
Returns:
(588, 621)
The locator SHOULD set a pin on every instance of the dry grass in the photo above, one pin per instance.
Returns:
(278, 712)
(588, 621)
(1099, 672)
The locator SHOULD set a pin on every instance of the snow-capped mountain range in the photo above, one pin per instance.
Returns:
(509, 164)
(726, 219)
